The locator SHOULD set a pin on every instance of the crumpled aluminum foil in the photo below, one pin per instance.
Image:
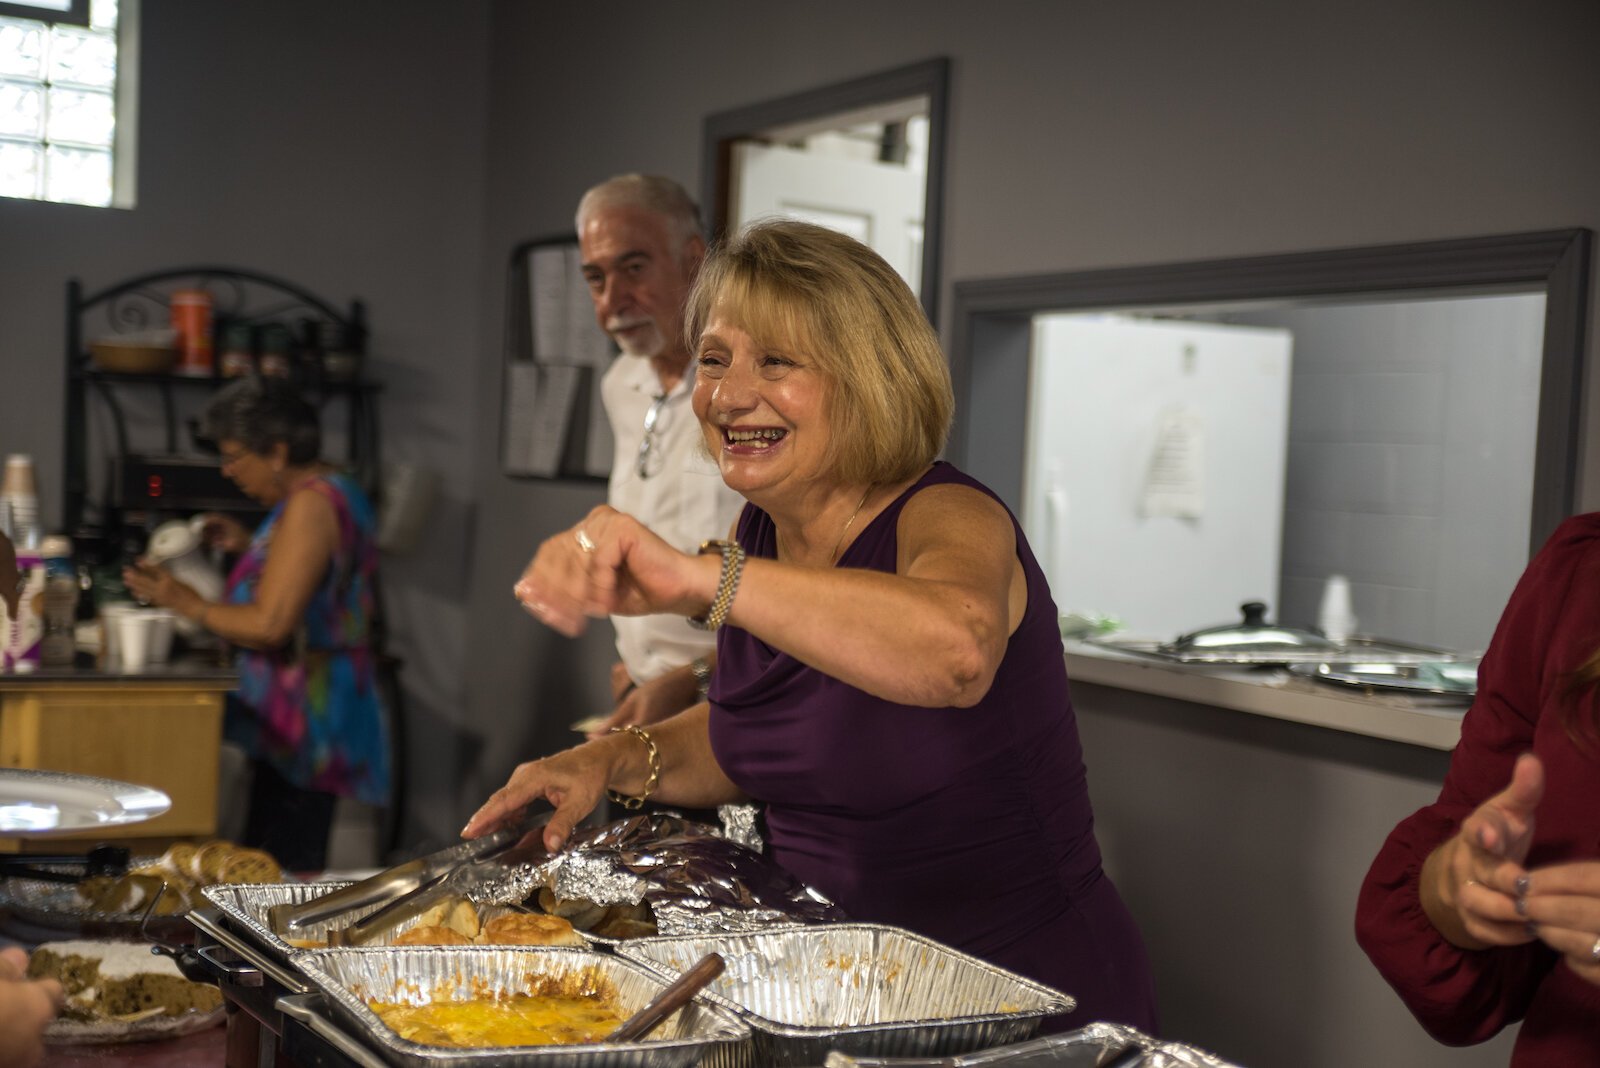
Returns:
(696, 880)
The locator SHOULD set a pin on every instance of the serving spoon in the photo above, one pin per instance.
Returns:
(673, 997)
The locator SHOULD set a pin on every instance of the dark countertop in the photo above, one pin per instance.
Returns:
(193, 668)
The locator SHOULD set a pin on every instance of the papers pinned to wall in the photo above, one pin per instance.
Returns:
(1175, 481)
(552, 422)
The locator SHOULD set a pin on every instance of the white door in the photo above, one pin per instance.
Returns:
(878, 204)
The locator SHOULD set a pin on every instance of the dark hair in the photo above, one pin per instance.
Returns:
(259, 412)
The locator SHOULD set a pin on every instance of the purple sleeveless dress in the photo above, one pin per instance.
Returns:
(971, 826)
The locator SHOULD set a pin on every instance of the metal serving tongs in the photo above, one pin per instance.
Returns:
(408, 889)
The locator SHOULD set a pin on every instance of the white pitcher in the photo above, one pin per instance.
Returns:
(178, 547)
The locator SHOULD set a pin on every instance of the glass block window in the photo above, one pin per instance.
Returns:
(60, 110)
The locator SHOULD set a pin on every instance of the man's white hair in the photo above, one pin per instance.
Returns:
(649, 192)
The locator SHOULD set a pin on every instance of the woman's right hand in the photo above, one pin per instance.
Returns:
(224, 532)
(1477, 880)
(573, 781)
(611, 564)
(26, 1008)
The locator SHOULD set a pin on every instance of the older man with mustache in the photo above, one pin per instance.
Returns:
(641, 244)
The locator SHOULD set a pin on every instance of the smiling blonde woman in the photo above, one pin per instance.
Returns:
(889, 682)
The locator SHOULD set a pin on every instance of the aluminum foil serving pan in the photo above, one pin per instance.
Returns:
(245, 911)
(860, 988)
(701, 1032)
(1088, 1047)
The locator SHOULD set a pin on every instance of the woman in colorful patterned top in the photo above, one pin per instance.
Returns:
(298, 607)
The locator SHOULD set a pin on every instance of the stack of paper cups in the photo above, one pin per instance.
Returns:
(17, 489)
(1336, 618)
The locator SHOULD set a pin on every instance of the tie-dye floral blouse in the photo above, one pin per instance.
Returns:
(311, 707)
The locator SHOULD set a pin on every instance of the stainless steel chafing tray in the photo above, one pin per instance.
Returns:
(859, 988)
(701, 1032)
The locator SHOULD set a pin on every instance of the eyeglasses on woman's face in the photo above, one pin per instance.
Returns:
(647, 444)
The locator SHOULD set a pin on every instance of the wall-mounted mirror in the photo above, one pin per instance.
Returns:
(864, 157)
(1199, 435)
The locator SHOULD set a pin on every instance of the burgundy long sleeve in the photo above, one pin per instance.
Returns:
(1549, 628)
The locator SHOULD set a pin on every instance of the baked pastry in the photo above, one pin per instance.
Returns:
(248, 866)
(432, 935)
(583, 913)
(529, 929)
(626, 927)
(177, 859)
(456, 913)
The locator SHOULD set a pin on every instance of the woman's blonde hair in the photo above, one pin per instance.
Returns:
(799, 288)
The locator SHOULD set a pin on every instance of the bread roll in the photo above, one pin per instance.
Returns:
(581, 912)
(454, 912)
(432, 935)
(248, 866)
(529, 929)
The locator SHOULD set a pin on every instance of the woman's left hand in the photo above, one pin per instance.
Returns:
(609, 564)
(154, 584)
(1562, 905)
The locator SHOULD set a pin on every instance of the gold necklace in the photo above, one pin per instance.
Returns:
(834, 559)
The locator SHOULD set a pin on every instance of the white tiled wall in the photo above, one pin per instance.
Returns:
(1410, 461)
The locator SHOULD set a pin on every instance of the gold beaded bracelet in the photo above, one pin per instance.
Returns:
(727, 583)
(653, 756)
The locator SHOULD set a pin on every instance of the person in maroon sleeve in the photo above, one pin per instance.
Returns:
(1483, 908)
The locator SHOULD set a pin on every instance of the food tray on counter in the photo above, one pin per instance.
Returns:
(1087, 1047)
(244, 911)
(700, 1033)
(1457, 680)
(40, 910)
(1370, 649)
(859, 988)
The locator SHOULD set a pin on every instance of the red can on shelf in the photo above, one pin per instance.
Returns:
(191, 318)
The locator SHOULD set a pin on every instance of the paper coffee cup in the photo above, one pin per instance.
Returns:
(134, 628)
(18, 479)
(162, 622)
(111, 632)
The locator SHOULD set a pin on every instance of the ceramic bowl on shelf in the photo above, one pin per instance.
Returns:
(150, 352)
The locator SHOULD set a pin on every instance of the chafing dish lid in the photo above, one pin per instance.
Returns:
(1253, 633)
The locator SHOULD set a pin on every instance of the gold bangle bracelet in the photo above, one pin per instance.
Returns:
(652, 756)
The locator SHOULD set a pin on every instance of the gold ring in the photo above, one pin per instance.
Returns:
(585, 542)
(1594, 951)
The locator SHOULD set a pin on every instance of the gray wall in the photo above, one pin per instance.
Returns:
(1410, 466)
(1090, 134)
(396, 151)
(1247, 900)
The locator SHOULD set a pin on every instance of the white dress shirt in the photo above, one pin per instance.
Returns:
(682, 498)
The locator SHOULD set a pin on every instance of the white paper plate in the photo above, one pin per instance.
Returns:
(53, 802)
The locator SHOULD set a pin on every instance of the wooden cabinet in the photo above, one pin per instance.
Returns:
(161, 731)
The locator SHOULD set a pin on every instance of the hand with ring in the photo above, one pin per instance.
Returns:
(1562, 904)
(609, 564)
(1474, 884)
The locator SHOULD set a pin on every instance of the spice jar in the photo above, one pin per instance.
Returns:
(237, 358)
(275, 354)
(191, 318)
